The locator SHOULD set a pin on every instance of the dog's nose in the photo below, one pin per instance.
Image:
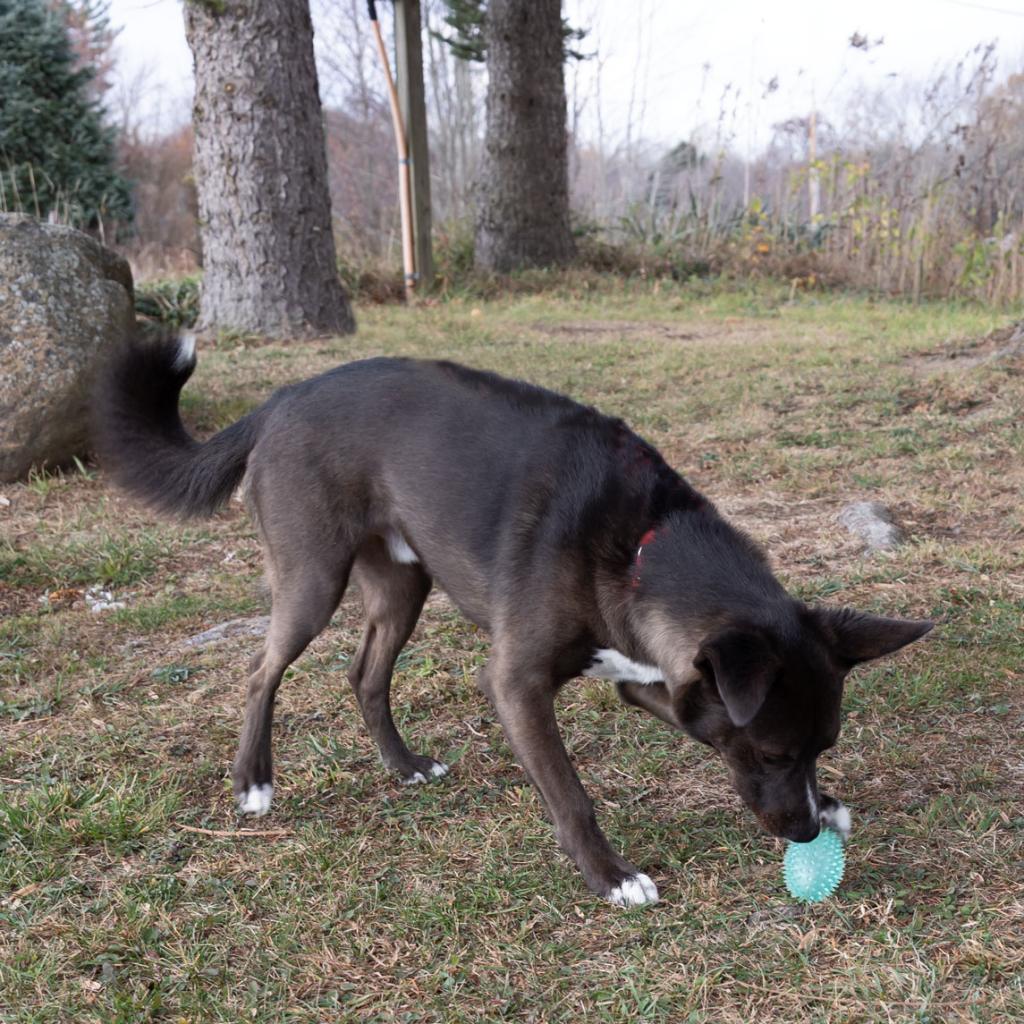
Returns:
(791, 826)
(803, 832)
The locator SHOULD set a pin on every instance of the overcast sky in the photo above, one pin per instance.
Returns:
(664, 64)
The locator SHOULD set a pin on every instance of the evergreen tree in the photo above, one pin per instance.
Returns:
(465, 18)
(92, 39)
(56, 154)
(467, 21)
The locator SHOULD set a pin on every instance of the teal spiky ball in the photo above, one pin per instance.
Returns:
(812, 871)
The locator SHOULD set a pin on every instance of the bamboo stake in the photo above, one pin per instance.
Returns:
(402, 147)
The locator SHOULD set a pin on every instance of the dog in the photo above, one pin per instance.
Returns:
(556, 529)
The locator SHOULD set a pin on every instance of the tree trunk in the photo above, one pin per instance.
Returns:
(523, 217)
(269, 263)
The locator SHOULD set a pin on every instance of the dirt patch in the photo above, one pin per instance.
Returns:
(1003, 345)
(803, 537)
(798, 534)
(632, 329)
(18, 600)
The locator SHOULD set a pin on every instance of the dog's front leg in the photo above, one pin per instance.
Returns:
(524, 701)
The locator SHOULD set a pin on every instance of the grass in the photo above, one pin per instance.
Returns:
(370, 901)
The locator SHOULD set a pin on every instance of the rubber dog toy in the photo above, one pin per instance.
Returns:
(812, 871)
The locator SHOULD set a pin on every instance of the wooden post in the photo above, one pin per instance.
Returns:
(409, 70)
(813, 186)
(402, 148)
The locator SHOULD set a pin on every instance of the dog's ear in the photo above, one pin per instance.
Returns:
(858, 636)
(651, 697)
(742, 666)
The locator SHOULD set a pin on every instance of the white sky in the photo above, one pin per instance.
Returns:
(664, 64)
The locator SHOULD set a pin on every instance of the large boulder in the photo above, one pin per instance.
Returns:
(65, 302)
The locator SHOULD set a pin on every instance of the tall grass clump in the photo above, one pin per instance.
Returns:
(917, 192)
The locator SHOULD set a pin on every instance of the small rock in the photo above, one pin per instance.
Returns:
(873, 523)
(100, 600)
(256, 626)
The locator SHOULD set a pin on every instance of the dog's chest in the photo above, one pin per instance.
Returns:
(615, 666)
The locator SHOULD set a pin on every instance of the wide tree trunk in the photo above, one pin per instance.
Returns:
(269, 263)
(523, 217)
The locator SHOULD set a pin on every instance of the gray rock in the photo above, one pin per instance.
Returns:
(65, 302)
(873, 523)
(256, 626)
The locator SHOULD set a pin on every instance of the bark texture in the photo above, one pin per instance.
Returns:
(269, 262)
(523, 217)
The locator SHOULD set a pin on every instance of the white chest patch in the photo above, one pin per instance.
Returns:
(399, 549)
(609, 664)
(186, 352)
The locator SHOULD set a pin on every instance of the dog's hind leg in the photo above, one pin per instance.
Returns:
(303, 601)
(393, 596)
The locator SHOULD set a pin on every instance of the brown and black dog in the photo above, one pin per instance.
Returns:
(556, 529)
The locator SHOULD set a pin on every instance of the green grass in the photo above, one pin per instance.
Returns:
(368, 901)
(104, 559)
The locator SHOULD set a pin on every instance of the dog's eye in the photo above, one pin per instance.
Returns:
(778, 760)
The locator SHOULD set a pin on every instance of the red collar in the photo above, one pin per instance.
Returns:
(638, 559)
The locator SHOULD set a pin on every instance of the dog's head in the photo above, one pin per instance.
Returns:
(770, 704)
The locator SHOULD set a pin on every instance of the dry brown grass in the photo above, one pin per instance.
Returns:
(120, 902)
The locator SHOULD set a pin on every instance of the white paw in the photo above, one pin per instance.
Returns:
(838, 819)
(634, 891)
(256, 799)
(436, 771)
(609, 664)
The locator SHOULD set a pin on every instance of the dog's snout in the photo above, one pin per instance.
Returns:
(797, 830)
(802, 833)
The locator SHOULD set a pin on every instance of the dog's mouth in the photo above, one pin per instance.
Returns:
(794, 831)
(832, 814)
(796, 812)
(798, 824)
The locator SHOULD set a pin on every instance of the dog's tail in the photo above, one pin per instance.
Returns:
(140, 439)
